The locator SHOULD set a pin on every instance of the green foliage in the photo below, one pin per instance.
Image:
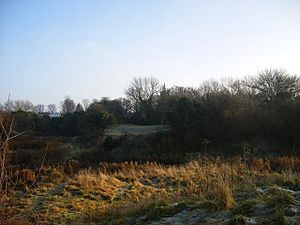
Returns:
(245, 207)
(210, 205)
(152, 212)
(238, 220)
(276, 196)
(95, 120)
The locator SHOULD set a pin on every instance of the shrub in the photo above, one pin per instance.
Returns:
(286, 163)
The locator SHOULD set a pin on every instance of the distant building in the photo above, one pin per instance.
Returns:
(51, 115)
(55, 115)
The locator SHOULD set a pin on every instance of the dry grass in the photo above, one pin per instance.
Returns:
(286, 163)
(225, 196)
(118, 190)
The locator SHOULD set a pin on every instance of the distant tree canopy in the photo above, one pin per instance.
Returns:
(275, 86)
(68, 105)
(39, 108)
(51, 108)
(19, 105)
(143, 94)
(75, 121)
(263, 107)
(89, 123)
(79, 108)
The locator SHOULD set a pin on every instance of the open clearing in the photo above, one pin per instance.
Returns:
(130, 129)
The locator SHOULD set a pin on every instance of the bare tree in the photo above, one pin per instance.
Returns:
(272, 85)
(5, 137)
(51, 108)
(68, 105)
(186, 92)
(209, 87)
(143, 90)
(22, 105)
(39, 108)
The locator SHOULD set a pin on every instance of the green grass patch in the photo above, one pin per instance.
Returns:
(209, 205)
(276, 197)
(143, 215)
(238, 220)
(245, 207)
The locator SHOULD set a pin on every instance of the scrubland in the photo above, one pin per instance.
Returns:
(225, 152)
(202, 191)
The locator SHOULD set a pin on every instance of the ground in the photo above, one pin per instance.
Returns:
(210, 191)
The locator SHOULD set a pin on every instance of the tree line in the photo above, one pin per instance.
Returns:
(265, 107)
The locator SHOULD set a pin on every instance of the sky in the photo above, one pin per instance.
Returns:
(90, 49)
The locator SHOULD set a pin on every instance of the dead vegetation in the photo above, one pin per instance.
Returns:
(145, 192)
(141, 193)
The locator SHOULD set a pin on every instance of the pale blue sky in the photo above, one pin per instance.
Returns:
(92, 48)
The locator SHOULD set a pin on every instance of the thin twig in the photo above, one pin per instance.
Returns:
(16, 135)
(39, 171)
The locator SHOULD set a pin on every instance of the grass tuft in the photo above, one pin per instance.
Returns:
(224, 195)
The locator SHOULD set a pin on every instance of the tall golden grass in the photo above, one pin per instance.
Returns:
(124, 188)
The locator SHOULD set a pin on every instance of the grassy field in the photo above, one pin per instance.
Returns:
(130, 129)
(208, 191)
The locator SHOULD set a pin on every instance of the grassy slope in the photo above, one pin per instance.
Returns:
(130, 129)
